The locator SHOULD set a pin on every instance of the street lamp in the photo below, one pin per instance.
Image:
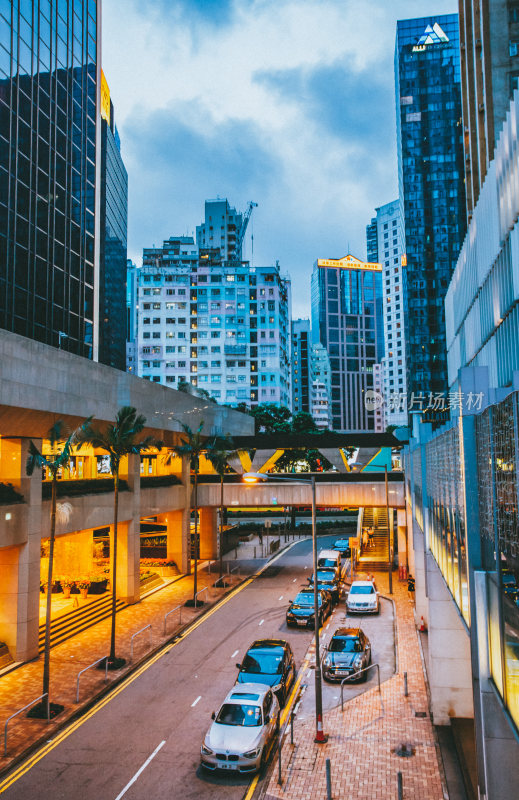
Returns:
(254, 477)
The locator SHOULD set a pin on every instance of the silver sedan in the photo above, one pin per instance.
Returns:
(243, 731)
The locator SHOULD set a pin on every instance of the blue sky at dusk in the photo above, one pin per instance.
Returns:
(289, 103)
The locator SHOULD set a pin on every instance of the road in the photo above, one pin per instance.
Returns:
(144, 740)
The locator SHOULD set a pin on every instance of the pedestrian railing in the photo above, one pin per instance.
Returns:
(354, 675)
(166, 615)
(205, 589)
(105, 659)
(146, 627)
(46, 694)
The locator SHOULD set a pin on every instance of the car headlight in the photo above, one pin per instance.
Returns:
(327, 661)
(206, 750)
(252, 753)
(277, 687)
(357, 662)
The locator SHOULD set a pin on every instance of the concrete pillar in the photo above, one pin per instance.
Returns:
(177, 534)
(208, 533)
(421, 604)
(402, 539)
(450, 668)
(129, 538)
(20, 565)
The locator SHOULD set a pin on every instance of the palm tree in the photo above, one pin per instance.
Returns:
(119, 440)
(192, 446)
(218, 452)
(60, 451)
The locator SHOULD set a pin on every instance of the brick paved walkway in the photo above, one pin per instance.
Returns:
(19, 687)
(363, 738)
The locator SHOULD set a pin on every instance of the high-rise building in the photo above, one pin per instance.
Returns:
(220, 326)
(49, 172)
(489, 40)
(131, 317)
(385, 242)
(347, 321)
(220, 230)
(321, 407)
(431, 186)
(113, 235)
(301, 366)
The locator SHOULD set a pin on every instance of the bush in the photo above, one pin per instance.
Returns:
(83, 486)
(8, 494)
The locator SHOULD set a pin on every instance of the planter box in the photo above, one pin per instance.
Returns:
(165, 572)
(98, 587)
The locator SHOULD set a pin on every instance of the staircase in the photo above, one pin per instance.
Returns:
(373, 558)
(78, 620)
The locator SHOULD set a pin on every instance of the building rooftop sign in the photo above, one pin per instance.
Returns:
(432, 35)
(349, 262)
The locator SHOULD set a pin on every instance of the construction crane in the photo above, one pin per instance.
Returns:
(243, 229)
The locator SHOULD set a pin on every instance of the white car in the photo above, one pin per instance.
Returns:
(362, 598)
(243, 731)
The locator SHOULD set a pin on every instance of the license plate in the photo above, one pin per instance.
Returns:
(301, 622)
(342, 673)
(225, 765)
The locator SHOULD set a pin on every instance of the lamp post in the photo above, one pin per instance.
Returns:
(254, 477)
(389, 543)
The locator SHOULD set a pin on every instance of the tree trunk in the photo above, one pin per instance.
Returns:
(195, 577)
(46, 656)
(114, 564)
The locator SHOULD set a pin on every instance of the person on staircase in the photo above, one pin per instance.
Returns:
(371, 537)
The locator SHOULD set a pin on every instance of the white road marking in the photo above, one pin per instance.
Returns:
(295, 579)
(280, 598)
(235, 653)
(196, 701)
(141, 769)
(261, 623)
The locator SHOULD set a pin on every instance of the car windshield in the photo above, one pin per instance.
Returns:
(265, 663)
(325, 576)
(244, 715)
(305, 599)
(327, 562)
(362, 590)
(341, 543)
(344, 644)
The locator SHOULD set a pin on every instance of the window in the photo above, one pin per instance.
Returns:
(146, 335)
(216, 378)
(182, 364)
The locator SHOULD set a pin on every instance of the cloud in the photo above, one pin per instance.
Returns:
(217, 13)
(179, 156)
(354, 106)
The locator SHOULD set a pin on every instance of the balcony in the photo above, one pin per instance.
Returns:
(235, 349)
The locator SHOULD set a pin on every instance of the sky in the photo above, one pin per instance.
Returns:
(288, 103)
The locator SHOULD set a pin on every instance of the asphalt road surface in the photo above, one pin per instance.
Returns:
(144, 741)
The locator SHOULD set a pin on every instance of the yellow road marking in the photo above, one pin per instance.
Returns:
(60, 737)
(252, 787)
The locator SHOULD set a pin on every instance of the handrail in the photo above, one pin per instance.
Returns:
(133, 637)
(171, 612)
(104, 658)
(205, 589)
(46, 694)
(234, 570)
(364, 669)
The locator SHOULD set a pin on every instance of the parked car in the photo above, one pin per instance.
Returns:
(270, 662)
(329, 580)
(301, 610)
(362, 598)
(343, 547)
(243, 731)
(329, 558)
(348, 651)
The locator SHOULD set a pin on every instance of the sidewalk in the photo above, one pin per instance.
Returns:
(363, 739)
(24, 684)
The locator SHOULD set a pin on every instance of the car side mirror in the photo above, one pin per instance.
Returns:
(213, 715)
(238, 666)
(366, 647)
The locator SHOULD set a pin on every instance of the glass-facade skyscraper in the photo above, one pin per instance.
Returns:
(48, 112)
(347, 321)
(113, 236)
(431, 186)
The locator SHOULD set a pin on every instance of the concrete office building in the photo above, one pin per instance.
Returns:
(321, 407)
(220, 230)
(301, 362)
(49, 172)
(489, 42)
(113, 236)
(431, 187)
(219, 326)
(347, 321)
(386, 244)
